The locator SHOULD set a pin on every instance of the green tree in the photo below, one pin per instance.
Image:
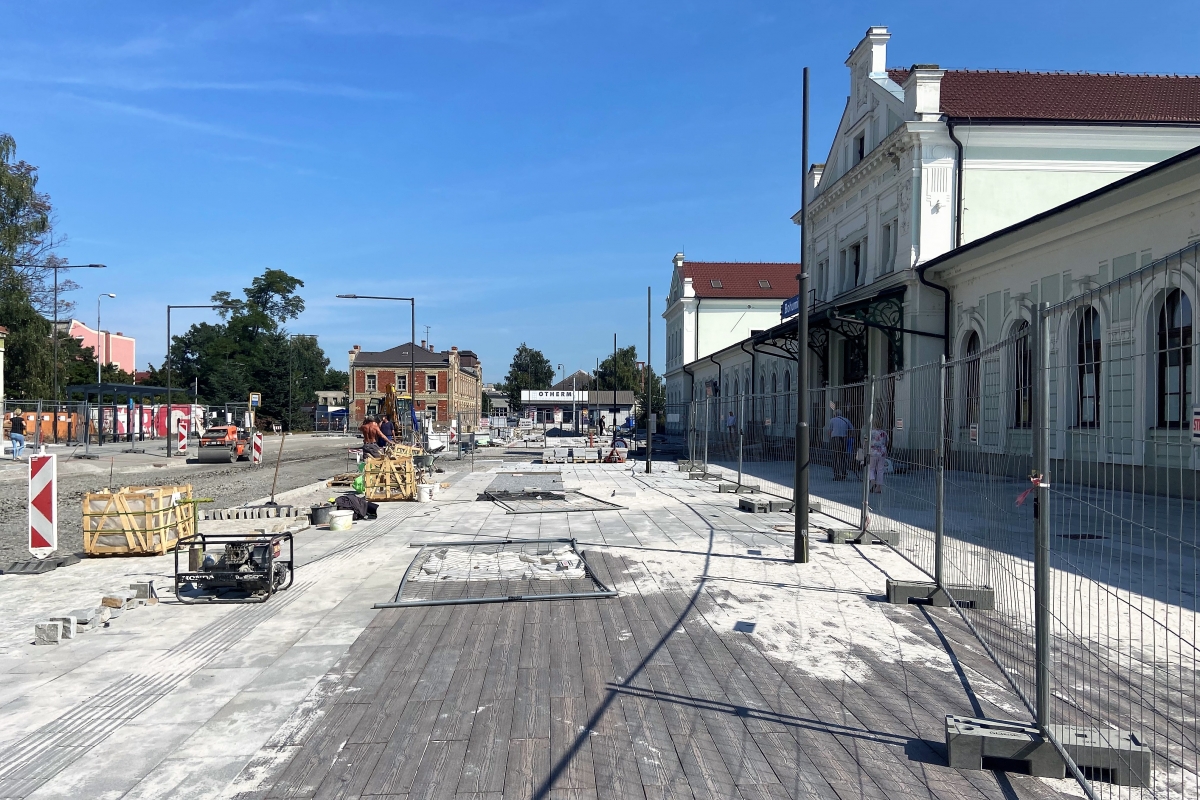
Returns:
(530, 369)
(26, 237)
(336, 380)
(621, 374)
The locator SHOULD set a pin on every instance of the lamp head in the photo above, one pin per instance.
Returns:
(110, 294)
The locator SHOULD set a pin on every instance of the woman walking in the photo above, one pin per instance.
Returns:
(16, 434)
(879, 445)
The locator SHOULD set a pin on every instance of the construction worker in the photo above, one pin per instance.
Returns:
(16, 434)
(387, 429)
(373, 438)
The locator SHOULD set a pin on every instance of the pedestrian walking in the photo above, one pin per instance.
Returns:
(730, 425)
(839, 429)
(16, 434)
(878, 457)
(600, 423)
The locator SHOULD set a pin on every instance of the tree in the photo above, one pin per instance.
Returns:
(530, 369)
(622, 374)
(26, 237)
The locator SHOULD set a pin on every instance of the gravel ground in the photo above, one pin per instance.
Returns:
(310, 460)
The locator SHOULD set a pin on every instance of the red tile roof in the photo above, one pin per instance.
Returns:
(1094, 97)
(738, 279)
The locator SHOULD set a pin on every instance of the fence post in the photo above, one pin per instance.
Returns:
(939, 525)
(741, 423)
(707, 414)
(864, 445)
(1041, 514)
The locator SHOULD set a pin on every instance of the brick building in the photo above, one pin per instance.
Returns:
(447, 382)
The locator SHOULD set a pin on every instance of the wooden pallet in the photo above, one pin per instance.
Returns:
(137, 520)
(391, 478)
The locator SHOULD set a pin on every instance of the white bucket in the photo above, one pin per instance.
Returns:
(425, 492)
(341, 520)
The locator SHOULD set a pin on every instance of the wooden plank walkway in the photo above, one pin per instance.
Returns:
(630, 697)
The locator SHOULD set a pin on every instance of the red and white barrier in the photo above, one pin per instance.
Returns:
(43, 505)
(183, 424)
(256, 448)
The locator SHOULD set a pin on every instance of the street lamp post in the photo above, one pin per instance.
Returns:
(169, 309)
(412, 347)
(99, 346)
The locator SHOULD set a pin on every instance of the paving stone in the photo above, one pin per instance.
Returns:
(47, 632)
(68, 626)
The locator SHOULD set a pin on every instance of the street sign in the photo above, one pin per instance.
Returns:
(43, 505)
(255, 399)
(182, 426)
(974, 433)
(1196, 425)
(256, 448)
(790, 307)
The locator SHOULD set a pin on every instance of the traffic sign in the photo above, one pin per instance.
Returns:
(255, 399)
(43, 505)
(183, 425)
(256, 448)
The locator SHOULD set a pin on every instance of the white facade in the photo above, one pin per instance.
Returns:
(698, 324)
(904, 183)
(1114, 234)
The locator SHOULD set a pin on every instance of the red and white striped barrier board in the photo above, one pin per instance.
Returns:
(43, 505)
(256, 448)
(183, 424)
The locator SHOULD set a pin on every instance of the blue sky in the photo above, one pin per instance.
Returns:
(525, 169)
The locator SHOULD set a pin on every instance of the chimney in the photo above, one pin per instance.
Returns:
(454, 348)
(422, 344)
(431, 348)
(923, 93)
(678, 260)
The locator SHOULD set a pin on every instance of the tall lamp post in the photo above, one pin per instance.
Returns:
(800, 501)
(99, 345)
(169, 309)
(56, 268)
(412, 347)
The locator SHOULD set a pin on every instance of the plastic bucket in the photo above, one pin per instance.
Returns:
(341, 520)
(319, 515)
(425, 493)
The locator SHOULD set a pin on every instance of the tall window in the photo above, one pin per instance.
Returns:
(402, 383)
(431, 383)
(854, 254)
(1023, 377)
(787, 400)
(774, 396)
(1175, 361)
(372, 383)
(888, 245)
(971, 379)
(1088, 361)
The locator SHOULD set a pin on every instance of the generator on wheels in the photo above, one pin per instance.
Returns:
(233, 568)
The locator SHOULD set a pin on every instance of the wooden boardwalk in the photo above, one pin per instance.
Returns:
(631, 697)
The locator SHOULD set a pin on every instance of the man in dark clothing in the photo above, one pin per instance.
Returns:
(387, 429)
(840, 429)
(16, 434)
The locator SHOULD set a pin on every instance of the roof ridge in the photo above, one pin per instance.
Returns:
(1076, 73)
(774, 263)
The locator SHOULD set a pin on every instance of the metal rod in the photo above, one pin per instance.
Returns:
(278, 459)
(504, 599)
(800, 492)
(740, 424)
(864, 447)
(1041, 515)
(939, 524)
(649, 381)
(707, 414)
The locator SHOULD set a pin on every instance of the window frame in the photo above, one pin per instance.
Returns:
(431, 383)
(372, 382)
(972, 385)
(1022, 372)
(1164, 349)
(1088, 353)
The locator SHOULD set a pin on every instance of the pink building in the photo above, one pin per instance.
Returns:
(115, 348)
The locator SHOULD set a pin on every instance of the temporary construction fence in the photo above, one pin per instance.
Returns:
(1048, 485)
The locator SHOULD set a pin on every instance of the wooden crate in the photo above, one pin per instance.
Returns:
(391, 478)
(137, 520)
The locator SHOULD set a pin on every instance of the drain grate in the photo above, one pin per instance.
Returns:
(455, 573)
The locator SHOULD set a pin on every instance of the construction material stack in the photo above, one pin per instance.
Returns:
(137, 520)
(393, 477)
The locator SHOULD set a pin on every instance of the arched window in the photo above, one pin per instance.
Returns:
(1088, 364)
(1175, 361)
(747, 385)
(1022, 376)
(787, 400)
(774, 397)
(971, 379)
(762, 385)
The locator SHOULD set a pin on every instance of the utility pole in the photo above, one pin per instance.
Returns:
(649, 384)
(800, 503)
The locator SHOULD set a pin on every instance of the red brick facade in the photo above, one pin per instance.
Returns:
(459, 383)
